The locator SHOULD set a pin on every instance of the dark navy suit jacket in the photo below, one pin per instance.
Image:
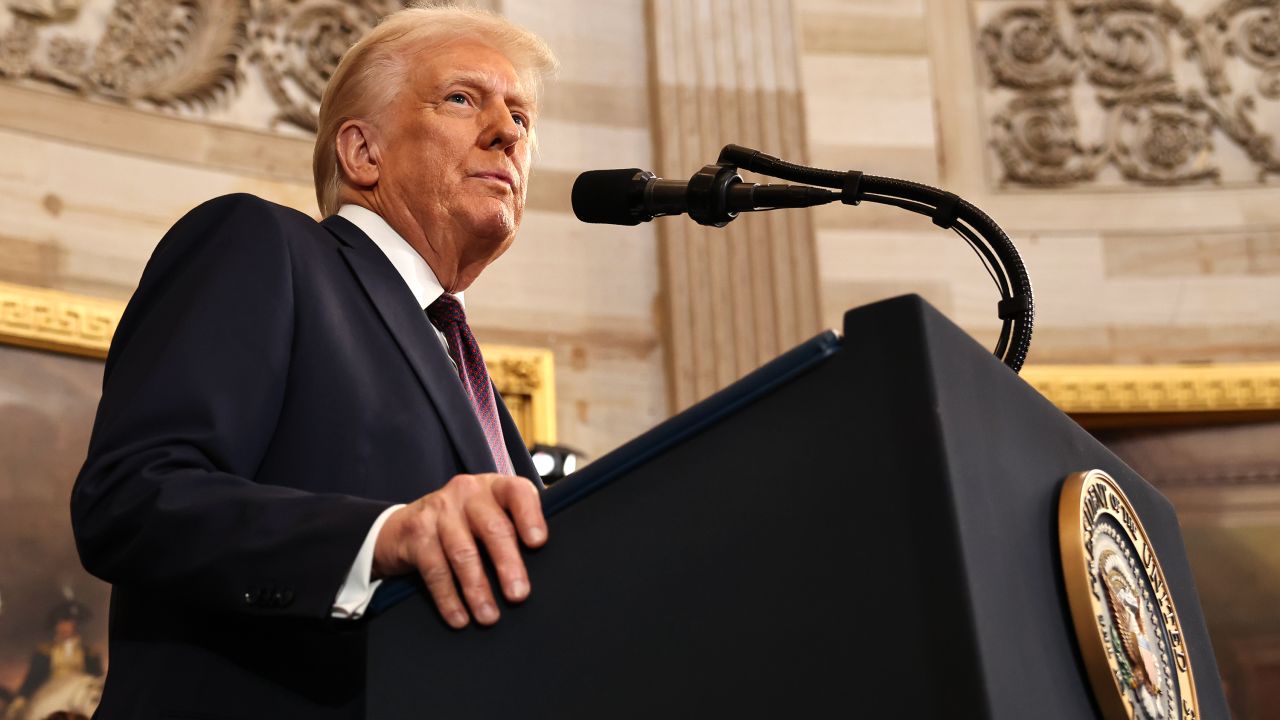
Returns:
(271, 388)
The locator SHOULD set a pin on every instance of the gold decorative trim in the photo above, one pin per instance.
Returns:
(526, 378)
(58, 321)
(1089, 389)
(83, 325)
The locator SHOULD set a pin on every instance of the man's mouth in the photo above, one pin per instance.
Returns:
(497, 176)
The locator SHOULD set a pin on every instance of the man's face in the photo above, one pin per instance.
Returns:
(65, 630)
(456, 156)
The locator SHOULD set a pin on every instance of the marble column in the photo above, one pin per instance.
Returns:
(726, 71)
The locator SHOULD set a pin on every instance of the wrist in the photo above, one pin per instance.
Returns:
(386, 560)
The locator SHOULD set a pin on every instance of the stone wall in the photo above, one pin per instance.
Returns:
(1127, 148)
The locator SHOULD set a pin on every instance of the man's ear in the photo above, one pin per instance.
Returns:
(358, 153)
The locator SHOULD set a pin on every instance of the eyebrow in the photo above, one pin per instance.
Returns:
(484, 82)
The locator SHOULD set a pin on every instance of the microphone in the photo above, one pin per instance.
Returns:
(713, 196)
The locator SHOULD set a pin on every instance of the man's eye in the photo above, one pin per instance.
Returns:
(457, 98)
(521, 120)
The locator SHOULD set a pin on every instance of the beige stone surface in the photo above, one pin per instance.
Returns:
(868, 99)
(97, 213)
(725, 72)
(1121, 273)
(1191, 253)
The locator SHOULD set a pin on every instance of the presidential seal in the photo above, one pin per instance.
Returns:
(1125, 621)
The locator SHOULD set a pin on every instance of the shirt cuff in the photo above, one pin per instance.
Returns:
(357, 590)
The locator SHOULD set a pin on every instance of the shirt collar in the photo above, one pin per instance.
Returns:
(412, 267)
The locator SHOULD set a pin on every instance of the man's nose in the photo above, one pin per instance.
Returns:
(503, 132)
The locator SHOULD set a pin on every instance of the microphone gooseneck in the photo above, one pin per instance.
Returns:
(716, 194)
(1016, 308)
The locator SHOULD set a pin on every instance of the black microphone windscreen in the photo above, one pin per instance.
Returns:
(607, 196)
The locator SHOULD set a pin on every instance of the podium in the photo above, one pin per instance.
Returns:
(864, 527)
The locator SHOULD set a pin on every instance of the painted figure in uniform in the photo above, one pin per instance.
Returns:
(65, 675)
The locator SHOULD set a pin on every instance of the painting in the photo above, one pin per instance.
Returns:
(53, 614)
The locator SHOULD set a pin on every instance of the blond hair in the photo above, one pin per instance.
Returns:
(373, 71)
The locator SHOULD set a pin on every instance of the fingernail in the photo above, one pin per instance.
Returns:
(537, 534)
(487, 614)
(519, 589)
(458, 619)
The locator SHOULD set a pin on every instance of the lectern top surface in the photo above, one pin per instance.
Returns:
(662, 437)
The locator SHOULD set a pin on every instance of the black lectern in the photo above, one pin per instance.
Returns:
(865, 527)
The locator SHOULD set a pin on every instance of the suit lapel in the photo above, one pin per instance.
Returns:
(412, 332)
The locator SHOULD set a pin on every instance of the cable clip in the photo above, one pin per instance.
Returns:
(1013, 307)
(944, 216)
(849, 194)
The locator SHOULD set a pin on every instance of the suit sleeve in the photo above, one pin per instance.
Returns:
(193, 387)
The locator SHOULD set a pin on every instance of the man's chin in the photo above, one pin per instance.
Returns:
(493, 225)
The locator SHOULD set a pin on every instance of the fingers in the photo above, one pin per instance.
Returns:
(452, 524)
(464, 557)
(437, 574)
(491, 525)
(520, 498)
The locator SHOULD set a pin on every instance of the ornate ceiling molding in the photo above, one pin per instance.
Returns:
(297, 46)
(1107, 92)
(207, 59)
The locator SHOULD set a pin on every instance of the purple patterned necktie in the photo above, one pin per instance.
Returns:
(447, 315)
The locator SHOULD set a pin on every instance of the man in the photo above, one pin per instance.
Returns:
(292, 411)
(60, 671)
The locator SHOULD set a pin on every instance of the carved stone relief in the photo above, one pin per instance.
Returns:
(1150, 92)
(261, 63)
(298, 43)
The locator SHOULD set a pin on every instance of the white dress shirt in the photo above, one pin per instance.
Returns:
(357, 590)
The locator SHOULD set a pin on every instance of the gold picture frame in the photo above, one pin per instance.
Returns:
(1099, 396)
(82, 325)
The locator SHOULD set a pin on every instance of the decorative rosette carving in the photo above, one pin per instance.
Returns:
(186, 53)
(1024, 50)
(67, 61)
(1269, 85)
(16, 46)
(1037, 139)
(1165, 82)
(1261, 35)
(1251, 29)
(1163, 140)
(1237, 125)
(183, 52)
(1126, 42)
(299, 44)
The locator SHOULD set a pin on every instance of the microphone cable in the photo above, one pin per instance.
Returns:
(1016, 308)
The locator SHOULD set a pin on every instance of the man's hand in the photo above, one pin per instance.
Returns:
(436, 536)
